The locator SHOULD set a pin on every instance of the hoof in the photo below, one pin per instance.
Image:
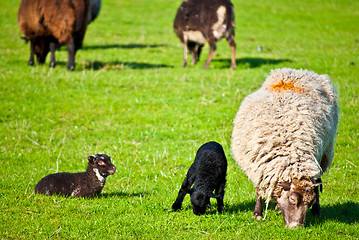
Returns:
(30, 63)
(52, 64)
(257, 216)
(176, 207)
(233, 67)
(70, 67)
(221, 209)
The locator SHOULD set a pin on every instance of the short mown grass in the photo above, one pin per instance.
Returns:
(130, 98)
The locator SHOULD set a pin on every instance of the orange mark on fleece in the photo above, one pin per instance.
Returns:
(285, 86)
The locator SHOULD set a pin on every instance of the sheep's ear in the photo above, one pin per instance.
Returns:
(91, 159)
(212, 195)
(317, 184)
(285, 185)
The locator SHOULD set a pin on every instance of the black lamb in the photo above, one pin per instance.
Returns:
(83, 184)
(208, 173)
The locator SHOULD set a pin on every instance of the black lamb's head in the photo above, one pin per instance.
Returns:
(200, 201)
(102, 163)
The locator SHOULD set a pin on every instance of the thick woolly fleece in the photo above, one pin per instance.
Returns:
(286, 130)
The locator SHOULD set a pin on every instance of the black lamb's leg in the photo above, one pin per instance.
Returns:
(186, 185)
(258, 209)
(220, 192)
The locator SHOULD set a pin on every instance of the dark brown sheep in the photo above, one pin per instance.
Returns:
(51, 23)
(201, 21)
(83, 184)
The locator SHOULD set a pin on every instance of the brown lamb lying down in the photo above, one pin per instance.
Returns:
(83, 184)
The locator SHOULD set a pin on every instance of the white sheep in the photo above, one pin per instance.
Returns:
(283, 139)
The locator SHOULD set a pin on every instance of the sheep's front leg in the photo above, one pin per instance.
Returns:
(212, 49)
(52, 50)
(186, 185)
(316, 206)
(195, 53)
(232, 45)
(71, 52)
(258, 209)
(185, 52)
(32, 51)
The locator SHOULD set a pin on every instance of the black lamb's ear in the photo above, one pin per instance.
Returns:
(212, 195)
(91, 159)
(285, 185)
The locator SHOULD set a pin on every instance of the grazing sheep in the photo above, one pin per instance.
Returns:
(283, 139)
(201, 21)
(94, 10)
(208, 173)
(83, 184)
(51, 23)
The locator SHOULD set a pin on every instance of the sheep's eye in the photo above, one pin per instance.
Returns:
(101, 163)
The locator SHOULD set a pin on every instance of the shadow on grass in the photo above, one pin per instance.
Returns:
(250, 62)
(246, 206)
(123, 194)
(346, 213)
(123, 46)
(115, 65)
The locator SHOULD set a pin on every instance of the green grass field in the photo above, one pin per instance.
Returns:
(130, 98)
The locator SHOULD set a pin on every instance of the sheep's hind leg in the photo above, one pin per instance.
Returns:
(232, 45)
(71, 52)
(220, 198)
(258, 209)
(212, 49)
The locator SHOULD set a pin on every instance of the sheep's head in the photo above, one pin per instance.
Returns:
(102, 163)
(201, 201)
(294, 200)
(41, 48)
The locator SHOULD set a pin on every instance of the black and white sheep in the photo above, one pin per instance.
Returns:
(201, 21)
(48, 24)
(83, 184)
(208, 173)
(283, 139)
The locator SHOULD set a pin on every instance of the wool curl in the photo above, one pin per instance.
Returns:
(286, 130)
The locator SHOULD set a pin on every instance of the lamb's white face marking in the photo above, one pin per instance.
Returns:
(219, 28)
(98, 175)
(76, 192)
(194, 36)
